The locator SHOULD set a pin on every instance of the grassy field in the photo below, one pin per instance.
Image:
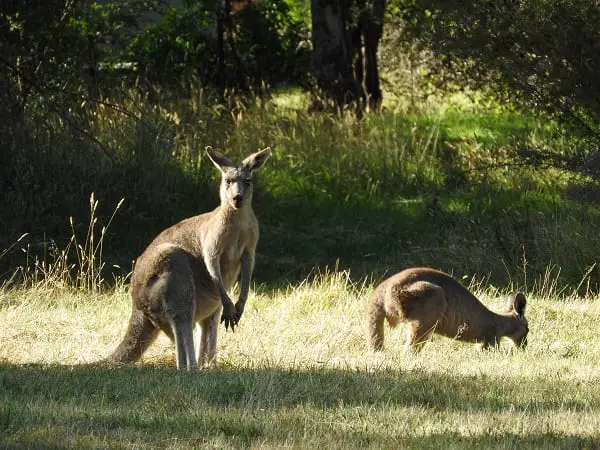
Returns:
(342, 203)
(295, 374)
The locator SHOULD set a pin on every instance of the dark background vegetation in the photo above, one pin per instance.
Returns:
(119, 98)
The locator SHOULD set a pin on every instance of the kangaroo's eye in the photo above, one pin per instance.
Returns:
(228, 182)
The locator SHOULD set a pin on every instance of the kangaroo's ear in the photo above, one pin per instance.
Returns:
(256, 160)
(516, 301)
(221, 161)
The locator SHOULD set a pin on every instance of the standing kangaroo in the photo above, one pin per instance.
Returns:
(434, 302)
(183, 277)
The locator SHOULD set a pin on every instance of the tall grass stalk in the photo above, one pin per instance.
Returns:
(13, 245)
(89, 253)
(79, 265)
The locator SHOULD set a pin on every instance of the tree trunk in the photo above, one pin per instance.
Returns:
(372, 31)
(333, 51)
(240, 71)
(221, 82)
(340, 31)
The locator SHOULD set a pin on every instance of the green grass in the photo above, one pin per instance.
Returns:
(295, 374)
(440, 186)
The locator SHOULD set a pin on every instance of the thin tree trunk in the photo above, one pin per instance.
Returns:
(346, 37)
(221, 82)
(93, 86)
(372, 31)
(357, 59)
(240, 71)
(332, 51)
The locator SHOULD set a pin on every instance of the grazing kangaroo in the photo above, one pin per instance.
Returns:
(183, 277)
(434, 302)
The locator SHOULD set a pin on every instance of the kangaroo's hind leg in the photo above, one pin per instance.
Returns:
(422, 305)
(183, 329)
(417, 334)
(207, 350)
(173, 304)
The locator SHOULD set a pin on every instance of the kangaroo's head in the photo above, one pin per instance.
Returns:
(515, 308)
(236, 180)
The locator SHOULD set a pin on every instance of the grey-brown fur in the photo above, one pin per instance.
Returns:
(184, 275)
(434, 302)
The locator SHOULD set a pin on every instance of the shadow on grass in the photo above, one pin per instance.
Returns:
(132, 386)
(487, 232)
(83, 405)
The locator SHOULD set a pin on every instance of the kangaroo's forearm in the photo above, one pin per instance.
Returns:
(247, 267)
(214, 269)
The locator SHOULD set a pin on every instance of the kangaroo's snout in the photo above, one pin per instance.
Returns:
(237, 200)
(522, 340)
(523, 343)
(236, 189)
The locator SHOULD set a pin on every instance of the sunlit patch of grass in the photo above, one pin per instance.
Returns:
(290, 99)
(492, 128)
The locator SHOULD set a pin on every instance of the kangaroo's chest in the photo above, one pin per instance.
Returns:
(235, 242)
(231, 257)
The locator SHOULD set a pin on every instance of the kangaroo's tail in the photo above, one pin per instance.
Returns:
(374, 321)
(138, 337)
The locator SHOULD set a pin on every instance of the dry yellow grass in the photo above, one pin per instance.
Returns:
(296, 373)
(318, 322)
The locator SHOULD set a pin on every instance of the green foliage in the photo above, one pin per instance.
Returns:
(175, 51)
(52, 51)
(299, 10)
(263, 46)
(270, 39)
(441, 188)
(543, 53)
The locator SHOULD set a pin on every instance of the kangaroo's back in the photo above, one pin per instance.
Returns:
(465, 317)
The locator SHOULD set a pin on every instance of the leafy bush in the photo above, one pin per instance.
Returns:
(542, 54)
(263, 45)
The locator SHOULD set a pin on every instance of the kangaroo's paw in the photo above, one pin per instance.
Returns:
(229, 317)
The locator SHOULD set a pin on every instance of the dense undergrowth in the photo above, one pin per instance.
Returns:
(442, 185)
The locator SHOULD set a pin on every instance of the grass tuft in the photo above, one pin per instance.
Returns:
(79, 265)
